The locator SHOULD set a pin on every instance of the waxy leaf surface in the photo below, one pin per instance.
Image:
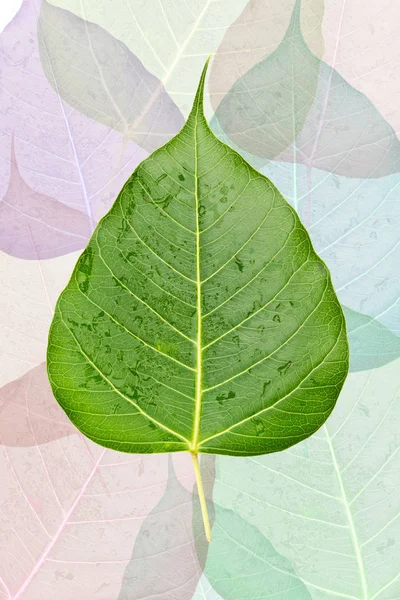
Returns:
(199, 316)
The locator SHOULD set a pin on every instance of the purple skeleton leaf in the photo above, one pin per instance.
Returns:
(36, 226)
(72, 166)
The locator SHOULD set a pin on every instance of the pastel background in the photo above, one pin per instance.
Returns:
(309, 92)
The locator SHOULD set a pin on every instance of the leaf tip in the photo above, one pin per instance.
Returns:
(198, 103)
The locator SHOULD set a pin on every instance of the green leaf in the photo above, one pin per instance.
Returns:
(198, 317)
(242, 563)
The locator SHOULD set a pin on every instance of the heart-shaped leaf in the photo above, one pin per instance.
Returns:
(199, 317)
(267, 105)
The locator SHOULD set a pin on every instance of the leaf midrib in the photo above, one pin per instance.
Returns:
(199, 370)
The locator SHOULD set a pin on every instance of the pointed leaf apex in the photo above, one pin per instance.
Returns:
(198, 103)
(294, 27)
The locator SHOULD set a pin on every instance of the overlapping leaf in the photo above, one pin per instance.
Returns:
(354, 225)
(65, 169)
(331, 505)
(71, 516)
(205, 591)
(242, 564)
(29, 416)
(172, 40)
(294, 106)
(263, 102)
(372, 345)
(97, 74)
(169, 552)
(35, 226)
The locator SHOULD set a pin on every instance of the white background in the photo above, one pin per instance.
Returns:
(7, 10)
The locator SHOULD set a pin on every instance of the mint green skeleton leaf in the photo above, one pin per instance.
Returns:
(199, 317)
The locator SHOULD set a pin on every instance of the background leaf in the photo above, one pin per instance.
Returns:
(29, 414)
(69, 164)
(354, 226)
(371, 344)
(30, 290)
(172, 40)
(169, 554)
(294, 106)
(243, 565)
(205, 591)
(330, 504)
(72, 513)
(268, 102)
(98, 75)
(35, 226)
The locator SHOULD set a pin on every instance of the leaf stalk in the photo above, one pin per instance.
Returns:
(202, 498)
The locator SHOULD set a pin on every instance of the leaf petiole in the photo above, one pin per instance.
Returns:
(202, 497)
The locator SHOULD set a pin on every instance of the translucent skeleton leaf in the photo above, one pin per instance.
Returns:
(198, 318)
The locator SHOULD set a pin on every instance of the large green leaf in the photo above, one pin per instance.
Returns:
(199, 316)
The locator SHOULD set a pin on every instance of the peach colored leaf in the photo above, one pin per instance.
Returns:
(71, 514)
(29, 413)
